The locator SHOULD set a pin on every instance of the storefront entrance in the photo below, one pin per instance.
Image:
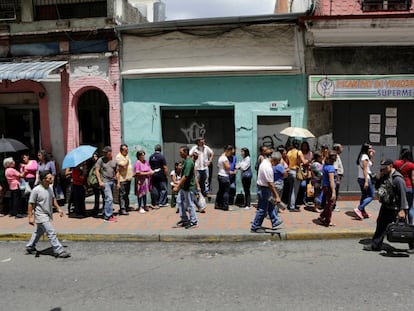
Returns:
(93, 115)
(183, 127)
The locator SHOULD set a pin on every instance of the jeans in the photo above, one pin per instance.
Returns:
(16, 202)
(78, 192)
(264, 207)
(185, 202)
(97, 192)
(295, 189)
(159, 192)
(202, 176)
(246, 182)
(125, 188)
(409, 195)
(51, 234)
(108, 209)
(326, 214)
(367, 195)
(222, 197)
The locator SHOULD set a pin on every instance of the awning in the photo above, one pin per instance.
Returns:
(28, 71)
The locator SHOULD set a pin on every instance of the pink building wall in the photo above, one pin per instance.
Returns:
(72, 90)
(349, 7)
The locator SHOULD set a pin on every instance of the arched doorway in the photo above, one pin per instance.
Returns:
(93, 116)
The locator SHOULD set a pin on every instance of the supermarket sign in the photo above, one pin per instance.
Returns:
(378, 87)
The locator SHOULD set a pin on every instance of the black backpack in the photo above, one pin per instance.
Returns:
(387, 193)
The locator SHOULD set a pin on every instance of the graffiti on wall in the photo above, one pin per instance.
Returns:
(271, 141)
(194, 131)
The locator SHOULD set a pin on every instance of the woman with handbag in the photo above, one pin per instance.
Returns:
(364, 164)
(246, 175)
(296, 160)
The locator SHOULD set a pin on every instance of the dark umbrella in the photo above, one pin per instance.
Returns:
(11, 145)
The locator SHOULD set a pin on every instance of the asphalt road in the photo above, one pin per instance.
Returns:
(282, 275)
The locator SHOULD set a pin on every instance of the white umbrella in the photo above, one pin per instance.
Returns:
(297, 132)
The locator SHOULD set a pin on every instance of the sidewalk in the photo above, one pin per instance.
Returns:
(214, 226)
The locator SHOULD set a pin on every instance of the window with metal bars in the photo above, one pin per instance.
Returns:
(66, 9)
(9, 9)
(385, 5)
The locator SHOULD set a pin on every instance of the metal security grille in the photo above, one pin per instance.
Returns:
(59, 2)
(385, 5)
(8, 9)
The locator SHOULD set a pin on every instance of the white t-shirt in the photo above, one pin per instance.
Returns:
(363, 158)
(221, 170)
(265, 175)
(42, 200)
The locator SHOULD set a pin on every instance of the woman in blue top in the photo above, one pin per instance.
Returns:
(328, 188)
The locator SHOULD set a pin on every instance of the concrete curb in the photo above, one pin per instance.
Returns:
(199, 238)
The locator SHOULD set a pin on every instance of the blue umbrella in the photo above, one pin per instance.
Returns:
(78, 155)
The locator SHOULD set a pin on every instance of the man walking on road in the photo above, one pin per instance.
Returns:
(106, 172)
(265, 190)
(395, 205)
(125, 177)
(41, 203)
(186, 188)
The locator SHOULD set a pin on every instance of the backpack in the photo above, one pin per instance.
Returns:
(92, 179)
(387, 193)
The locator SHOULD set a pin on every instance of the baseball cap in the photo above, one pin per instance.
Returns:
(324, 146)
(386, 162)
(107, 149)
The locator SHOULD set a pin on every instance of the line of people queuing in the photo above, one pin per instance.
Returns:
(289, 178)
(17, 180)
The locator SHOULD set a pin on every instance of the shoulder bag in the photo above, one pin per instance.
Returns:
(301, 174)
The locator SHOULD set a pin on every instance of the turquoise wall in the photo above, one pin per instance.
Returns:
(248, 95)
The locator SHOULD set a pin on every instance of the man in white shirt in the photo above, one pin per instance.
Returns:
(205, 157)
(265, 191)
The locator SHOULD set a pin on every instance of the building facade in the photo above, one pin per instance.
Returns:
(229, 80)
(360, 77)
(59, 72)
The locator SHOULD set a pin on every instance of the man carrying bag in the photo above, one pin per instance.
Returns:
(392, 196)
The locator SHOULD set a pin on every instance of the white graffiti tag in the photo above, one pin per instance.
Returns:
(193, 132)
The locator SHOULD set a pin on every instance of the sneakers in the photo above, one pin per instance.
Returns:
(257, 230)
(63, 254)
(182, 223)
(191, 225)
(371, 248)
(123, 212)
(336, 209)
(31, 250)
(111, 219)
(358, 213)
(277, 224)
(142, 210)
(164, 205)
(365, 214)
